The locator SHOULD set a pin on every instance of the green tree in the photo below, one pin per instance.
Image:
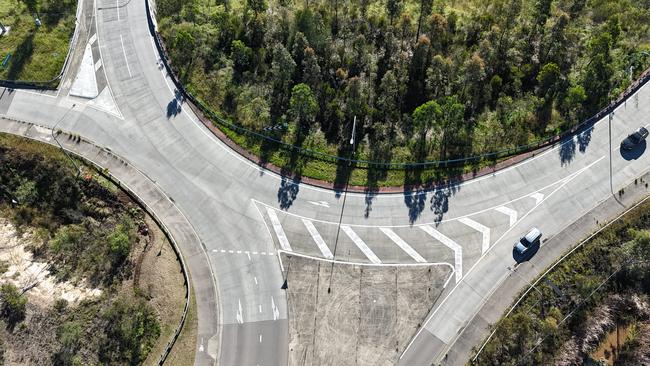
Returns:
(425, 118)
(394, 8)
(241, 56)
(257, 6)
(303, 106)
(281, 75)
(548, 79)
(13, 304)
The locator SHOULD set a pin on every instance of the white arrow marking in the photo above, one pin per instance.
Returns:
(279, 231)
(318, 239)
(402, 244)
(538, 197)
(276, 311)
(240, 315)
(510, 212)
(479, 227)
(458, 250)
(320, 203)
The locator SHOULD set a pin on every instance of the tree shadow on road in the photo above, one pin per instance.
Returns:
(291, 174)
(174, 107)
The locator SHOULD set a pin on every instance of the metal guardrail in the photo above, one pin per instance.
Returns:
(106, 174)
(505, 153)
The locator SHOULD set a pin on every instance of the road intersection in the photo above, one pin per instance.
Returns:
(245, 215)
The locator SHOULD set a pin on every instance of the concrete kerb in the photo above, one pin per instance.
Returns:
(105, 173)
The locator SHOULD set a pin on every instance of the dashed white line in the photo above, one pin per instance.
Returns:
(318, 239)
(260, 307)
(402, 244)
(240, 313)
(279, 231)
(458, 250)
(260, 338)
(276, 311)
(481, 228)
(512, 214)
(360, 244)
(255, 278)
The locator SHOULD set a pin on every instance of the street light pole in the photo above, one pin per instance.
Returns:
(345, 195)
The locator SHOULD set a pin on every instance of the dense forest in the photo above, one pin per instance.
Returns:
(426, 79)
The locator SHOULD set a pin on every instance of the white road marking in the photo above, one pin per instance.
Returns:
(240, 313)
(260, 338)
(93, 39)
(360, 244)
(279, 231)
(117, 6)
(479, 227)
(510, 212)
(249, 256)
(320, 203)
(276, 311)
(231, 251)
(201, 346)
(458, 250)
(125, 59)
(538, 197)
(98, 64)
(255, 278)
(402, 244)
(318, 239)
(260, 307)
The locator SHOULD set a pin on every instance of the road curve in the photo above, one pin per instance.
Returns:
(244, 214)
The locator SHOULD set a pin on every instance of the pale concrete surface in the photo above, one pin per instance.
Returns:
(367, 318)
(220, 193)
(85, 83)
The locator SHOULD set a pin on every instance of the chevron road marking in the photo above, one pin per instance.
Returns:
(538, 197)
(360, 244)
(402, 244)
(318, 239)
(479, 227)
(508, 211)
(279, 231)
(458, 250)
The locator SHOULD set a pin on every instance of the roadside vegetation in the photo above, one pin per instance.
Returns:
(35, 53)
(426, 79)
(79, 232)
(598, 293)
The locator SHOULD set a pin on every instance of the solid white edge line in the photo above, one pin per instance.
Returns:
(458, 250)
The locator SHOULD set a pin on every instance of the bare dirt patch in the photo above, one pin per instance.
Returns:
(368, 317)
(31, 276)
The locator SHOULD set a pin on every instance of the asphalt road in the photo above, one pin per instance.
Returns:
(244, 214)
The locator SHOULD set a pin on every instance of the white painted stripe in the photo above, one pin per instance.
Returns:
(360, 244)
(125, 58)
(279, 231)
(402, 244)
(318, 239)
(93, 39)
(539, 197)
(481, 228)
(458, 250)
(508, 211)
(98, 64)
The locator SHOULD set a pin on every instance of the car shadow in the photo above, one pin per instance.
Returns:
(634, 153)
(527, 255)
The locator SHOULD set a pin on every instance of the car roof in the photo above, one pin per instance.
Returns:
(533, 235)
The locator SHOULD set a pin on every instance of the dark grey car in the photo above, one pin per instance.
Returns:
(634, 139)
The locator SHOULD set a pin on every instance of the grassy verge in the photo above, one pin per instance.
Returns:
(37, 52)
(580, 301)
